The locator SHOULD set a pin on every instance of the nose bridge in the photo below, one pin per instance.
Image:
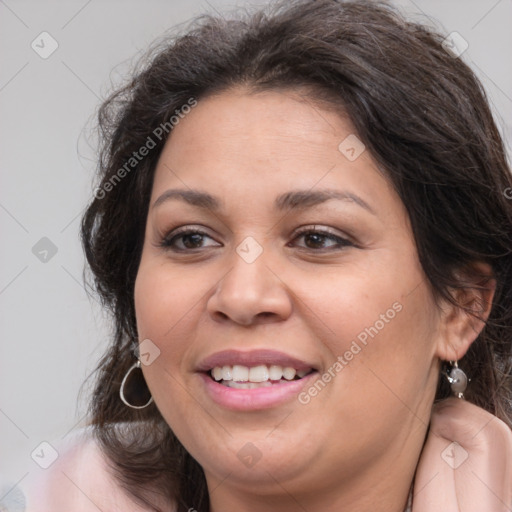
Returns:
(250, 290)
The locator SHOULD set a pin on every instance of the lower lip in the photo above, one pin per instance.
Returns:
(256, 398)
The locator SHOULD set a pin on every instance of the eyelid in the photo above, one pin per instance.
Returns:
(320, 229)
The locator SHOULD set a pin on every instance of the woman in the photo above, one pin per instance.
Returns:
(303, 233)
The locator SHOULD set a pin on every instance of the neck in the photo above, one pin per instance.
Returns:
(389, 485)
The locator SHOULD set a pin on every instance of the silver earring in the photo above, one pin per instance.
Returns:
(136, 388)
(458, 379)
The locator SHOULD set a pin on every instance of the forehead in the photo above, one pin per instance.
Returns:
(250, 122)
(240, 145)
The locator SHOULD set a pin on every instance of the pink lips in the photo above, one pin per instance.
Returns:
(251, 358)
(257, 398)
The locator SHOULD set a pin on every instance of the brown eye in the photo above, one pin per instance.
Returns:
(185, 240)
(315, 239)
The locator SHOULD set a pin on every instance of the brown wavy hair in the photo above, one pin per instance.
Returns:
(420, 111)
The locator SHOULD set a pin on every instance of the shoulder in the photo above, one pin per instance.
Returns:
(466, 463)
(469, 425)
(80, 479)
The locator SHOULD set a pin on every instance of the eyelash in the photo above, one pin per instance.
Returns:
(168, 241)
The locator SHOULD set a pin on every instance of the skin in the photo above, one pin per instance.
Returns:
(358, 441)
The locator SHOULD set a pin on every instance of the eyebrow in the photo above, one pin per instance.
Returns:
(293, 200)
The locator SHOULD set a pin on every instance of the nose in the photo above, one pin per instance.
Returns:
(250, 293)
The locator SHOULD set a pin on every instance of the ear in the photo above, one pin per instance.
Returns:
(461, 325)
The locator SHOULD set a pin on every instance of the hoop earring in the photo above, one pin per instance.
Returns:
(135, 385)
(457, 378)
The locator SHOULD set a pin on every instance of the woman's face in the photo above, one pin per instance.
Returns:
(328, 285)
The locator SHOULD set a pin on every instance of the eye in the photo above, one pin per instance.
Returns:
(185, 239)
(315, 239)
(189, 239)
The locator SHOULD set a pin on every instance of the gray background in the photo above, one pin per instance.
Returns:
(52, 334)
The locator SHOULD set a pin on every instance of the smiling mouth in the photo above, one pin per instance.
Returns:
(251, 377)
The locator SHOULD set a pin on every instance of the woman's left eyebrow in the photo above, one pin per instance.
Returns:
(292, 200)
(301, 199)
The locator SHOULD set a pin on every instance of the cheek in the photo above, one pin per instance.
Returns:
(387, 354)
(164, 310)
(165, 314)
(361, 304)
(164, 298)
(379, 324)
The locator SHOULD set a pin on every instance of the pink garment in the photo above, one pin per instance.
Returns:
(465, 466)
(78, 481)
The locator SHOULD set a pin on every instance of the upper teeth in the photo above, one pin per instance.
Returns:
(260, 373)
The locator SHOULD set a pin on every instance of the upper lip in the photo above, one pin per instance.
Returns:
(252, 358)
